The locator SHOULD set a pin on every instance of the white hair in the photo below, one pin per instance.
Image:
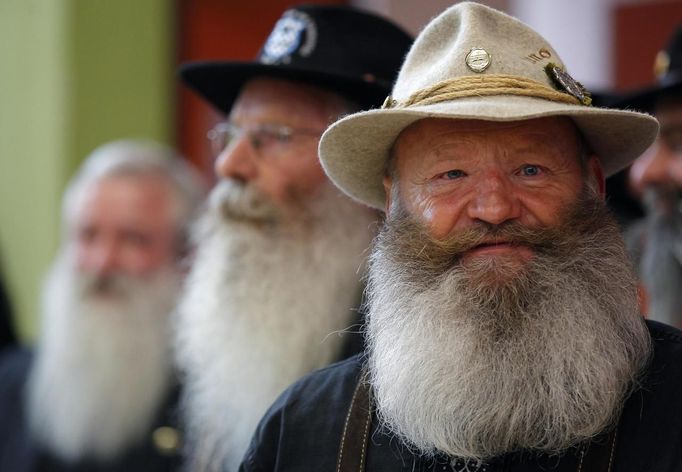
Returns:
(102, 370)
(103, 367)
(262, 308)
(655, 244)
(482, 358)
(138, 158)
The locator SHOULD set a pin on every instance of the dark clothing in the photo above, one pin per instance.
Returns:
(20, 453)
(7, 335)
(302, 430)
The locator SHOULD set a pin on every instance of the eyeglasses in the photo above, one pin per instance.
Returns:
(266, 139)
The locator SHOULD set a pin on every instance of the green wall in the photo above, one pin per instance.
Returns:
(73, 74)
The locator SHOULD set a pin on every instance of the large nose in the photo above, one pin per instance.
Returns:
(100, 258)
(654, 167)
(494, 200)
(238, 161)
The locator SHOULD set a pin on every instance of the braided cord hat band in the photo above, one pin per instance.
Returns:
(481, 86)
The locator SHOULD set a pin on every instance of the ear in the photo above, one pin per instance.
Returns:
(388, 184)
(596, 176)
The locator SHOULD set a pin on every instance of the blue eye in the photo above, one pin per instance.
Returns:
(453, 174)
(530, 170)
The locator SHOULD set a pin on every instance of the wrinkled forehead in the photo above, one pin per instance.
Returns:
(432, 128)
(559, 132)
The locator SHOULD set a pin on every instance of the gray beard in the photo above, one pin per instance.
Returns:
(482, 359)
(102, 369)
(660, 261)
(264, 304)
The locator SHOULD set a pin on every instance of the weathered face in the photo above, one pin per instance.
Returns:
(287, 170)
(124, 225)
(453, 174)
(661, 165)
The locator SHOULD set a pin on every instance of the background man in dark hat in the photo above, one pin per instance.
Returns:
(503, 327)
(656, 176)
(280, 250)
(98, 393)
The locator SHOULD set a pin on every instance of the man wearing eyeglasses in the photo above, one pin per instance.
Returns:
(280, 250)
(656, 176)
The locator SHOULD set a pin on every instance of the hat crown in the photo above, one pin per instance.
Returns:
(440, 51)
(342, 49)
(337, 40)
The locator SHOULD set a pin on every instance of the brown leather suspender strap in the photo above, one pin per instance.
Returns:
(353, 448)
(598, 456)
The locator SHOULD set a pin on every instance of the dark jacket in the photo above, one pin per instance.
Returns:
(302, 430)
(20, 453)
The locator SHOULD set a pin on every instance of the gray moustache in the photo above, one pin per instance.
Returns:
(236, 201)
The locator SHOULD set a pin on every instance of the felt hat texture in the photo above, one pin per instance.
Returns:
(474, 62)
(343, 49)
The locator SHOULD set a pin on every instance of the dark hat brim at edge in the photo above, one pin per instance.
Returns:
(645, 99)
(220, 82)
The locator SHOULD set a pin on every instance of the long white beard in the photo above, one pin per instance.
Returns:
(659, 238)
(102, 368)
(263, 306)
(474, 370)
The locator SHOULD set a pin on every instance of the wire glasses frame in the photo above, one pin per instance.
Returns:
(266, 139)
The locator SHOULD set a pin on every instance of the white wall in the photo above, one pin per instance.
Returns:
(413, 15)
(579, 30)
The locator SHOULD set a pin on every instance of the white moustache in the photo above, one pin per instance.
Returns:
(234, 200)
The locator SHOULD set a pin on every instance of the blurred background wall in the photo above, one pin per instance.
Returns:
(77, 73)
(73, 74)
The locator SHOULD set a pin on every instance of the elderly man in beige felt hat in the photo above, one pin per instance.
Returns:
(503, 327)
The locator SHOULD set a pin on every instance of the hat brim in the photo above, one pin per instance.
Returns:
(354, 150)
(220, 82)
(645, 99)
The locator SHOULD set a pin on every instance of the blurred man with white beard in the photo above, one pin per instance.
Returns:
(280, 251)
(503, 331)
(656, 241)
(99, 394)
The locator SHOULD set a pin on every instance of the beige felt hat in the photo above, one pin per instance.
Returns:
(474, 62)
